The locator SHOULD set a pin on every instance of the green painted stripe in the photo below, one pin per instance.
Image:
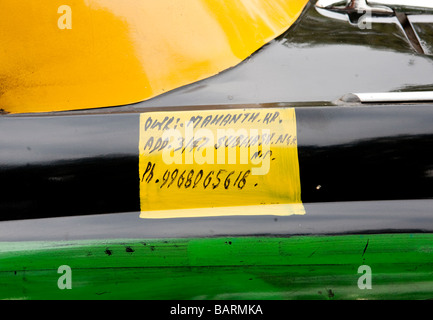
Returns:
(320, 267)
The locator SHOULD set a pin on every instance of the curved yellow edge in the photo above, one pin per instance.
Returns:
(79, 54)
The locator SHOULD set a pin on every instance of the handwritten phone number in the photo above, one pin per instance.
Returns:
(192, 178)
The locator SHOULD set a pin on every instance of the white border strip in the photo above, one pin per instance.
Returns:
(418, 96)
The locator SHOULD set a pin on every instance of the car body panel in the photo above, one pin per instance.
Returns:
(70, 184)
(95, 53)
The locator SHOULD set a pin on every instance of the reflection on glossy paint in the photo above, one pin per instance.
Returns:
(116, 54)
(332, 57)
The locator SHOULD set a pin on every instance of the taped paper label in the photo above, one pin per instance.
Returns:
(219, 162)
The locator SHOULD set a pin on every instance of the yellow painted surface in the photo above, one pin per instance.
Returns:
(219, 162)
(77, 54)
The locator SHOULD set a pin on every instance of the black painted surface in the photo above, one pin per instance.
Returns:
(365, 153)
(68, 165)
(88, 164)
(352, 158)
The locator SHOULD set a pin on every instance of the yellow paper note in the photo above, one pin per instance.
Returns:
(219, 162)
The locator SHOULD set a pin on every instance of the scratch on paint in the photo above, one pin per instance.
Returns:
(365, 249)
(312, 254)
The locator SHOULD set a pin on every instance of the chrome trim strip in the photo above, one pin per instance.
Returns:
(420, 18)
(387, 97)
